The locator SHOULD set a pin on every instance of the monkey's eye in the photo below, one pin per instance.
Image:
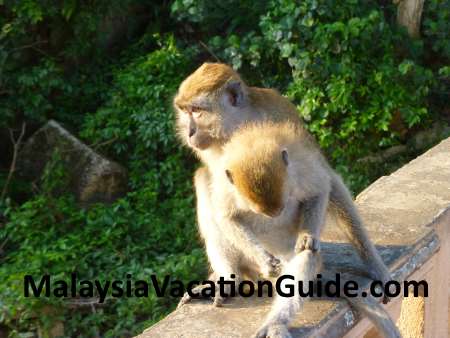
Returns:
(230, 177)
(285, 157)
(196, 111)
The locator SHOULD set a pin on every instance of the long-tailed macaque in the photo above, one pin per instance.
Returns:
(270, 192)
(211, 104)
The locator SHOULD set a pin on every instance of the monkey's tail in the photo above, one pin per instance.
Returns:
(349, 220)
(304, 267)
(369, 307)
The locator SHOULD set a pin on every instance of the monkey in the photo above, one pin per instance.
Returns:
(214, 101)
(277, 196)
(211, 104)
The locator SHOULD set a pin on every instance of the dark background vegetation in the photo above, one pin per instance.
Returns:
(107, 71)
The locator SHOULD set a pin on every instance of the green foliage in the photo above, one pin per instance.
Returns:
(344, 72)
(139, 118)
(436, 27)
(129, 237)
(134, 235)
(436, 32)
(109, 69)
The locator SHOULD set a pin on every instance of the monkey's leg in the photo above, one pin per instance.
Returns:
(221, 255)
(225, 262)
(312, 220)
(303, 267)
(351, 223)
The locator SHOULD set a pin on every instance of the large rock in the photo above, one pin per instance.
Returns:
(91, 177)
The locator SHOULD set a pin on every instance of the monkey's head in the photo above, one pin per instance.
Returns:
(210, 103)
(257, 168)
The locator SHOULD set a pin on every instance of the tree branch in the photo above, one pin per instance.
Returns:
(12, 168)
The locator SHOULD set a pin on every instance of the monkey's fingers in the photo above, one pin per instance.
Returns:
(308, 242)
(270, 266)
(275, 267)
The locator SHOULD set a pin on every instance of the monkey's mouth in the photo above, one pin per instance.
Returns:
(200, 143)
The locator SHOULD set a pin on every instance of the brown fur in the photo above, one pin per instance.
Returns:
(208, 78)
(260, 178)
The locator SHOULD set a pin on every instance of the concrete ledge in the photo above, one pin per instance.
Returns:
(408, 217)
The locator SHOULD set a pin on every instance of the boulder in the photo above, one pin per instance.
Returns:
(91, 177)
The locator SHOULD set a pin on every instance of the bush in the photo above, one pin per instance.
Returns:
(133, 236)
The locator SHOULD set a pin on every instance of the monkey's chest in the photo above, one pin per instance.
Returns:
(279, 234)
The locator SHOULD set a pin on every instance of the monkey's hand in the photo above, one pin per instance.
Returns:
(307, 242)
(270, 266)
(273, 331)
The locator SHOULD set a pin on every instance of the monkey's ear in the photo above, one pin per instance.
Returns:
(285, 157)
(230, 177)
(235, 93)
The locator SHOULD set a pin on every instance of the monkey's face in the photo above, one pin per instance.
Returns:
(210, 105)
(197, 123)
(206, 121)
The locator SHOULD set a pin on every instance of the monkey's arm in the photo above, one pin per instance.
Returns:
(224, 261)
(240, 235)
(227, 240)
(352, 225)
(313, 213)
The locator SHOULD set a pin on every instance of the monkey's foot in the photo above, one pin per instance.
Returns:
(273, 331)
(271, 266)
(187, 297)
(218, 300)
(307, 242)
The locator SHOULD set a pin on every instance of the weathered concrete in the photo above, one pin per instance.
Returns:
(399, 211)
(91, 177)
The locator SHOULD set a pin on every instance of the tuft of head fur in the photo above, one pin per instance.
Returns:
(254, 158)
(208, 78)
